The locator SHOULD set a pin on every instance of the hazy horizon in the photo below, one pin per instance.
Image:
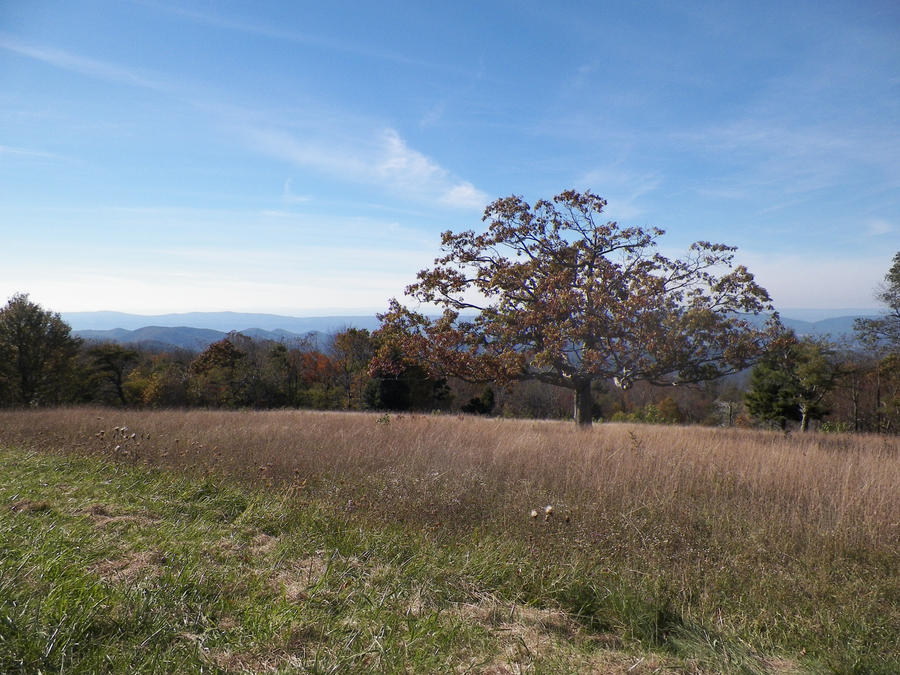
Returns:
(105, 317)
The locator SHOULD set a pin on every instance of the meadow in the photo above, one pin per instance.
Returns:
(296, 541)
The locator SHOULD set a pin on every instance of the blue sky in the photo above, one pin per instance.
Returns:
(303, 158)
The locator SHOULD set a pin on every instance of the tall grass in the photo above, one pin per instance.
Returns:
(785, 544)
(802, 488)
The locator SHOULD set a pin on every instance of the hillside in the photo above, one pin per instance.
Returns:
(157, 337)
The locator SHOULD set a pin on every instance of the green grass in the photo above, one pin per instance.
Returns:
(111, 568)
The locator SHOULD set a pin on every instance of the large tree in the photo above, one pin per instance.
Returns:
(552, 293)
(37, 353)
(218, 376)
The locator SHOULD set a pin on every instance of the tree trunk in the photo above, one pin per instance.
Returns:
(584, 403)
(804, 420)
(878, 397)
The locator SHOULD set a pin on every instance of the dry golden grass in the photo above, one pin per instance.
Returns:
(464, 470)
(843, 486)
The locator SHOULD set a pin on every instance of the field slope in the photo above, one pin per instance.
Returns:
(315, 542)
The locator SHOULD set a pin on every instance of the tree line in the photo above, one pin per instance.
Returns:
(841, 389)
(43, 364)
(548, 310)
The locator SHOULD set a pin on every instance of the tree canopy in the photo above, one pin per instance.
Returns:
(37, 353)
(552, 293)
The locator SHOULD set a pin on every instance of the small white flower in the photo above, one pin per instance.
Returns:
(534, 513)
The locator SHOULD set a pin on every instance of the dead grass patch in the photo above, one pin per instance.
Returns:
(103, 517)
(780, 666)
(302, 575)
(131, 567)
(29, 506)
(251, 662)
(263, 544)
(529, 634)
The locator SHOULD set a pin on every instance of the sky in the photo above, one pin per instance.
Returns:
(303, 158)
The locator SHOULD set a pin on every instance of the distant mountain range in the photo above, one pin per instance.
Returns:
(835, 328)
(196, 331)
(220, 321)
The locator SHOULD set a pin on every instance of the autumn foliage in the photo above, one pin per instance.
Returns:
(554, 294)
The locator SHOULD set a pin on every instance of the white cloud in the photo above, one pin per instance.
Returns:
(384, 159)
(465, 196)
(402, 166)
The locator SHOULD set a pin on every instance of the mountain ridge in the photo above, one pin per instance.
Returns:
(221, 321)
(197, 330)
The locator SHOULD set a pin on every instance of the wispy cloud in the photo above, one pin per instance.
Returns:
(30, 153)
(622, 189)
(65, 60)
(288, 196)
(433, 116)
(305, 152)
(296, 37)
(879, 227)
(385, 160)
(797, 158)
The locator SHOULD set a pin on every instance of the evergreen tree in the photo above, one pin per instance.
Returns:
(791, 381)
(481, 405)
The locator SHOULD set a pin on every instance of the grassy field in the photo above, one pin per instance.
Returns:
(337, 542)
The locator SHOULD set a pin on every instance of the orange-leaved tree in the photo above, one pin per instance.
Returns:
(551, 293)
